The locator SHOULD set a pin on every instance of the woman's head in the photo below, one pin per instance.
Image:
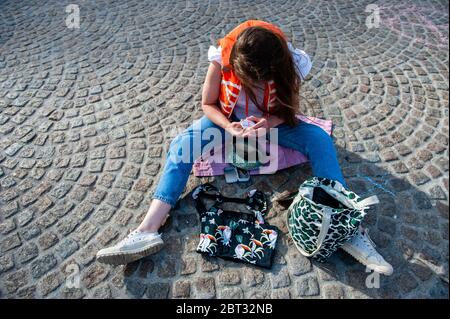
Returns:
(261, 55)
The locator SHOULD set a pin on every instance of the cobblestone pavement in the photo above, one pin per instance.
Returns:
(85, 118)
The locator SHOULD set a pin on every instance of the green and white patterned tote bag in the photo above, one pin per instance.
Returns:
(324, 215)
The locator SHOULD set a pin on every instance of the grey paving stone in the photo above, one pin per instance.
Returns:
(42, 265)
(307, 286)
(181, 289)
(157, 290)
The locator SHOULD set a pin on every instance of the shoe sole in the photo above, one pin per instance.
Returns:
(126, 257)
(370, 266)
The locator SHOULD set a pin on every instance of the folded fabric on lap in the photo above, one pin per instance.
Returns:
(213, 165)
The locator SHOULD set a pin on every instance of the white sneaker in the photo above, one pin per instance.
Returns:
(135, 246)
(362, 248)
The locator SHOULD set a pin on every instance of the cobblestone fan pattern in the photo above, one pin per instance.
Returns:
(86, 116)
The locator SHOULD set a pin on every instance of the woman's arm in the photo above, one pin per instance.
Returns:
(210, 96)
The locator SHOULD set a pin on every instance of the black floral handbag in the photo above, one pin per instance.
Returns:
(238, 236)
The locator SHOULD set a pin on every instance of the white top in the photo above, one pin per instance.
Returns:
(303, 65)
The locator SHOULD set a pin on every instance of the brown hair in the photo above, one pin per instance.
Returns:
(261, 55)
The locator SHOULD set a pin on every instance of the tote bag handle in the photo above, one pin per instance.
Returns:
(326, 220)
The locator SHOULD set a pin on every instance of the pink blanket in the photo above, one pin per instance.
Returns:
(213, 165)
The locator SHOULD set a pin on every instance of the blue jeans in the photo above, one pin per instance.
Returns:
(309, 139)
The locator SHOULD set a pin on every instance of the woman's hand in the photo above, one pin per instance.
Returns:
(235, 129)
(259, 122)
(259, 129)
(262, 125)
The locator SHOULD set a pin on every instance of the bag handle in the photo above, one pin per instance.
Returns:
(326, 221)
(200, 191)
(255, 199)
(372, 200)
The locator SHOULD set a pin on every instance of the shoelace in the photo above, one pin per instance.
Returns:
(129, 236)
(366, 238)
(366, 231)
